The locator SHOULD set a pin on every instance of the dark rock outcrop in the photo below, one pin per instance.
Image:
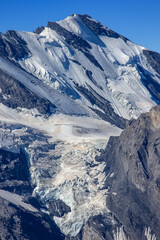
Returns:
(13, 94)
(20, 224)
(39, 30)
(133, 160)
(154, 59)
(14, 172)
(13, 46)
(99, 29)
(152, 85)
(109, 113)
(89, 75)
(34, 201)
(58, 208)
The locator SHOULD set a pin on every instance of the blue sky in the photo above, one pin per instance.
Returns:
(139, 20)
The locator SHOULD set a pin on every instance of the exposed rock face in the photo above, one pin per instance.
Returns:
(14, 172)
(99, 29)
(15, 95)
(58, 208)
(21, 224)
(152, 85)
(39, 30)
(13, 46)
(154, 59)
(108, 114)
(133, 161)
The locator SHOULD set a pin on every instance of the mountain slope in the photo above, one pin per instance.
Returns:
(87, 58)
(64, 90)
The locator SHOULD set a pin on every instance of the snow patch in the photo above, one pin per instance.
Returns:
(149, 235)
(17, 200)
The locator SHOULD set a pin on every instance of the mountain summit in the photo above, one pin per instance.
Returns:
(64, 90)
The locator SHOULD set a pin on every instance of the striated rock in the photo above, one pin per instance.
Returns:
(13, 46)
(152, 85)
(21, 224)
(14, 172)
(98, 28)
(154, 59)
(133, 160)
(39, 30)
(109, 113)
(13, 94)
(58, 208)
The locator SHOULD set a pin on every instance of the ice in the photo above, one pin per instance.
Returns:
(120, 234)
(149, 235)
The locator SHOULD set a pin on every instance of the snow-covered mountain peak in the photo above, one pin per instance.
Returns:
(89, 65)
(81, 56)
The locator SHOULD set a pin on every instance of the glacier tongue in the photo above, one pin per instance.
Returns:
(79, 183)
(62, 152)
